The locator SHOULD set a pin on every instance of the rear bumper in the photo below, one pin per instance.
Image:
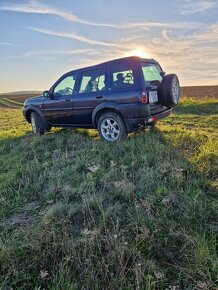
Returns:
(135, 123)
(163, 114)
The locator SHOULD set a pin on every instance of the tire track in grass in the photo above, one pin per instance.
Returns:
(2, 105)
(8, 104)
(12, 101)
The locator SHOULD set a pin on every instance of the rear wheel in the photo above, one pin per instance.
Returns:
(37, 124)
(111, 127)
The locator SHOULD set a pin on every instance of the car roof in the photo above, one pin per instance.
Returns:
(128, 58)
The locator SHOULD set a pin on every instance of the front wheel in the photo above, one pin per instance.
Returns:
(111, 127)
(37, 125)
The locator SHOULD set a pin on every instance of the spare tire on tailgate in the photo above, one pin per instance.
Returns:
(169, 90)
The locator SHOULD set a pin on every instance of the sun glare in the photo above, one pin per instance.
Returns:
(137, 52)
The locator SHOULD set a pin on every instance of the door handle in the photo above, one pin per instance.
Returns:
(67, 100)
(99, 97)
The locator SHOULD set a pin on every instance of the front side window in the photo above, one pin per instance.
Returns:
(65, 87)
(92, 81)
(122, 76)
(151, 72)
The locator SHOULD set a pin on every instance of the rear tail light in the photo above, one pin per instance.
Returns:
(152, 120)
(143, 97)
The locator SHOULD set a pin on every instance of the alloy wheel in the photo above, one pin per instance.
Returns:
(110, 129)
(33, 123)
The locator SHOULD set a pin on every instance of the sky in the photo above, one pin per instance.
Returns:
(42, 39)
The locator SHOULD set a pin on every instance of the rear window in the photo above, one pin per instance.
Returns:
(151, 72)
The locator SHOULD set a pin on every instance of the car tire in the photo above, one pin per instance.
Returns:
(169, 90)
(48, 129)
(37, 124)
(111, 127)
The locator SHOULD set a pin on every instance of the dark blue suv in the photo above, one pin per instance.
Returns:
(116, 97)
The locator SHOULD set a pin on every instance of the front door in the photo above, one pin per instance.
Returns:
(58, 108)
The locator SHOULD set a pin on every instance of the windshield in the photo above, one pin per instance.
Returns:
(151, 72)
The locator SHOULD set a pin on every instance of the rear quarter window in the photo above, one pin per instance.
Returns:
(122, 76)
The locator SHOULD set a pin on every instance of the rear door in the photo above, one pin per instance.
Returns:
(91, 92)
(152, 78)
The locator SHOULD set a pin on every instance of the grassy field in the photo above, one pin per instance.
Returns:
(77, 213)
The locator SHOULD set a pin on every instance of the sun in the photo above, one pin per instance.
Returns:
(138, 52)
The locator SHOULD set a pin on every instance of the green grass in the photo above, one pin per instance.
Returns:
(77, 213)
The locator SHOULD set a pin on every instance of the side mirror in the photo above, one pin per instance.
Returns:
(162, 73)
(46, 94)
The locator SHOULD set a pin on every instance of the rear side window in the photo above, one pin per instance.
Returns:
(122, 76)
(92, 81)
(151, 72)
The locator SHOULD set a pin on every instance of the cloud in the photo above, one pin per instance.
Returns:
(8, 43)
(39, 8)
(187, 7)
(51, 54)
(35, 7)
(74, 36)
(192, 56)
(63, 52)
(209, 35)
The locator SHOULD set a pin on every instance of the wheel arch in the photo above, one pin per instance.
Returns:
(28, 115)
(106, 110)
(32, 109)
(99, 110)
